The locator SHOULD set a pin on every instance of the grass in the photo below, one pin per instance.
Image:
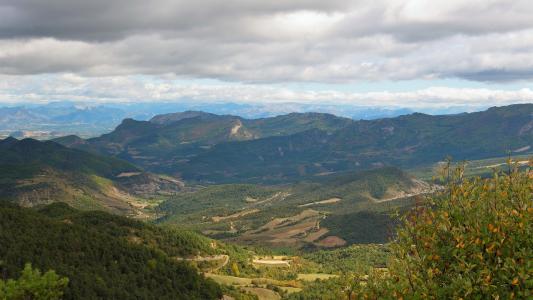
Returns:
(245, 284)
(315, 276)
(229, 280)
(262, 293)
(290, 290)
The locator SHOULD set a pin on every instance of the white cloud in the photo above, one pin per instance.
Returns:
(25, 89)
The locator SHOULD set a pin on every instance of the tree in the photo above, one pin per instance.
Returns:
(473, 241)
(235, 269)
(32, 284)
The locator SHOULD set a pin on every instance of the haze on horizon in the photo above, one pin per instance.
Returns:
(413, 54)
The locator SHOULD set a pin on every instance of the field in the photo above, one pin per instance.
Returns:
(262, 293)
(263, 287)
(274, 275)
(229, 280)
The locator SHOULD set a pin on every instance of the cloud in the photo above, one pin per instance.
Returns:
(46, 88)
(270, 41)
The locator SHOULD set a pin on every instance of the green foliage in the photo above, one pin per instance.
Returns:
(214, 200)
(474, 241)
(352, 259)
(331, 289)
(32, 284)
(235, 270)
(362, 227)
(29, 152)
(237, 294)
(171, 241)
(480, 167)
(104, 256)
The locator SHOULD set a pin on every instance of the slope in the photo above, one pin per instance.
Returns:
(34, 172)
(104, 256)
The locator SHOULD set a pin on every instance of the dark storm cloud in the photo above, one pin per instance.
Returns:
(105, 19)
(270, 41)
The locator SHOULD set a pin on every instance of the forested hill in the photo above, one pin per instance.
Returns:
(53, 155)
(34, 172)
(209, 147)
(103, 256)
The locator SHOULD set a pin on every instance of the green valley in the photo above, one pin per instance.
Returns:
(312, 213)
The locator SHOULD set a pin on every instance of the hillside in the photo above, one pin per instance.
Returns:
(102, 255)
(406, 141)
(319, 212)
(34, 172)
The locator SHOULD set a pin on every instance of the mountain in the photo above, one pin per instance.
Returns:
(324, 211)
(165, 119)
(405, 141)
(222, 148)
(103, 256)
(56, 119)
(34, 172)
(168, 139)
(11, 116)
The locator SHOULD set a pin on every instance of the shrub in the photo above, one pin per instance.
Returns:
(32, 284)
(473, 241)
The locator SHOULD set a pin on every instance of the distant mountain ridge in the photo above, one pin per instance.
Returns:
(404, 141)
(45, 121)
(165, 119)
(207, 147)
(168, 139)
(89, 119)
(56, 118)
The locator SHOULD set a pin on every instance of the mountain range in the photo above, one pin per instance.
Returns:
(87, 119)
(223, 148)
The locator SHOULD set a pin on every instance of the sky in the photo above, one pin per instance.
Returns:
(380, 53)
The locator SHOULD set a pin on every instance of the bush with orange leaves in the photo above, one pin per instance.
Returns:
(473, 241)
